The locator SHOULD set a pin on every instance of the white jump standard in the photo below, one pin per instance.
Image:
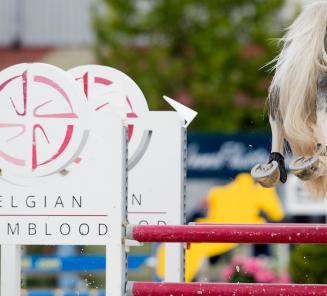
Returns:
(66, 165)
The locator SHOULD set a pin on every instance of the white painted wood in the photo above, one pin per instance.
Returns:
(159, 177)
(10, 270)
(175, 253)
(174, 263)
(95, 180)
(157, 153)
(116, 257)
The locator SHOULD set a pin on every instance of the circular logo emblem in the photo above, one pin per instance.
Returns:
(42, 127)
(107, 87)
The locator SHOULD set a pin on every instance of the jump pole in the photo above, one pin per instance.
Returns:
(231, 233)
(241, 233)
(222, 289)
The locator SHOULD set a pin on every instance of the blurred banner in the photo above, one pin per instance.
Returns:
(225, 155)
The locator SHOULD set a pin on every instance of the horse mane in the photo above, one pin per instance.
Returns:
(297, 69)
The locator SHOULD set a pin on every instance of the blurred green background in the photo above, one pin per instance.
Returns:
(207, 54)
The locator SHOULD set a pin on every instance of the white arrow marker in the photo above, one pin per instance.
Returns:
(186, 113)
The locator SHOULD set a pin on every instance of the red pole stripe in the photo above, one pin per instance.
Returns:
(223, 289)
(238, 233)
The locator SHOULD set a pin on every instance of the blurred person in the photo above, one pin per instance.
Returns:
(240, 201)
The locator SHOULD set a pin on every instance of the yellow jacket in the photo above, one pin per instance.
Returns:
(240, 201)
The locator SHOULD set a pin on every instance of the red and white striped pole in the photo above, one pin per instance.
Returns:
(236, 233)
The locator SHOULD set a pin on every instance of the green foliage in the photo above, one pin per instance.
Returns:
(207, 54)
(242, 278)
(308, 264)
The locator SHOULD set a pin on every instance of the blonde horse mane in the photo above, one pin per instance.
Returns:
(297, 71)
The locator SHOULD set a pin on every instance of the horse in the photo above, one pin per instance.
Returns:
(297, 100)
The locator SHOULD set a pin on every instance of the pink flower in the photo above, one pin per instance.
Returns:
(284, 278)
(265, 276)
(228, 272)
(252, 266)
(239, 260)
(257, 267)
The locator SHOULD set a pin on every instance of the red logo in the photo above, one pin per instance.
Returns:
(40, 120)
(106, 87)
(97, 80)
